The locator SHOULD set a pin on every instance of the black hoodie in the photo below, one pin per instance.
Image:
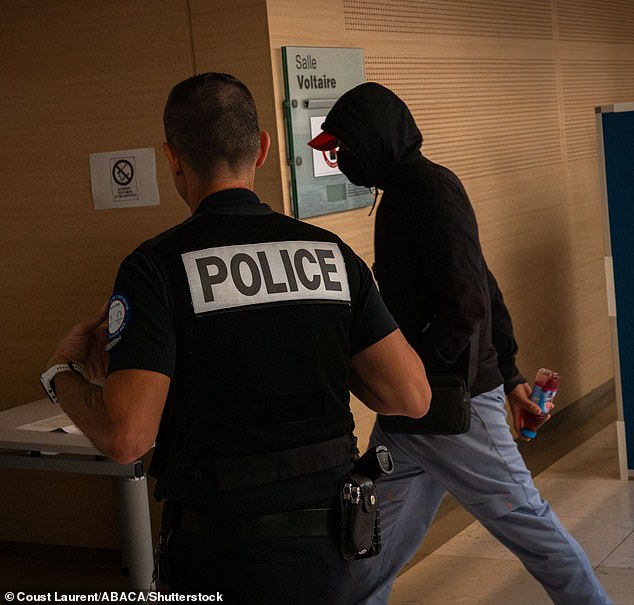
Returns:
(428, 260)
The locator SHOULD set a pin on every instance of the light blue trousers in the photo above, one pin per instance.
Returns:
(484, 470)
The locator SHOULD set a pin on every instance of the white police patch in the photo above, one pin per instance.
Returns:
(253, 274)
(118, 317)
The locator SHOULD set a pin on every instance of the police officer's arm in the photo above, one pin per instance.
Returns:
(389, 377)
(122, 418)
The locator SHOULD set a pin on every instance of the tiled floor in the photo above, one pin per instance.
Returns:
(584, 489)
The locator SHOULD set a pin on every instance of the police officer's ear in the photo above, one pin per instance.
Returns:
(177, 169)
(173, 158)
(265, 143)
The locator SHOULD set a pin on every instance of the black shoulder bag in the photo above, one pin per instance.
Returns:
(450, 409)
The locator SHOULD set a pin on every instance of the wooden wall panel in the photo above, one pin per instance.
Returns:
(607, 21)
(77, 77)
(485, 115)
(232, 36)
(454, 17)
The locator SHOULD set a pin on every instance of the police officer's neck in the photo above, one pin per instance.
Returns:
(201, 190)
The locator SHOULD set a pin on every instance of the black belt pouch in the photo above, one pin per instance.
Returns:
(360, 528)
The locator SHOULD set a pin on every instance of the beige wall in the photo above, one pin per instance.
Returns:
(504, 94)
(77, 77)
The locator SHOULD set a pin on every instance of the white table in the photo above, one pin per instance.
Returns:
(73, 453)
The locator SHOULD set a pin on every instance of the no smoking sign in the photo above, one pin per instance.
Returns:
(124, 185)
(123, 179)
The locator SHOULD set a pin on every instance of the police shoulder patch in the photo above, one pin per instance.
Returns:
(119, 312)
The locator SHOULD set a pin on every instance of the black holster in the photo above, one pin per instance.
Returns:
(360, 521)
(360, 527)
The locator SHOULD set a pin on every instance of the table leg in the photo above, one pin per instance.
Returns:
(136, 532)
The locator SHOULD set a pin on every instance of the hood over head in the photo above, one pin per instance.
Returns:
(376, 126)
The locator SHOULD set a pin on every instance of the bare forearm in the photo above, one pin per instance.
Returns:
(365, 394)
(389, 378)
(83, 402)
(122, 418)
(106, 419)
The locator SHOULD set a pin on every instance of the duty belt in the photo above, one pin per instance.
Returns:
(292, 524)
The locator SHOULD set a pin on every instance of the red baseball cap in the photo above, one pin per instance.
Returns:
(324, 141)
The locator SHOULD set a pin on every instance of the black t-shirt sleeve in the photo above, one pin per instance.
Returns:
(371, 320)
(141, 332)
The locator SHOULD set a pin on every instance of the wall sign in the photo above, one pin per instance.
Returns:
(314, 79)
(124, 179)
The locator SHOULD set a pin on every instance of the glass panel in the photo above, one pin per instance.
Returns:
(314, 79)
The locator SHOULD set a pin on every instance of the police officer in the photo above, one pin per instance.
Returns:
(233, 340)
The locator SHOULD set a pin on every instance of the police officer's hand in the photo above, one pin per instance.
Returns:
(519, 400)
(85, 344)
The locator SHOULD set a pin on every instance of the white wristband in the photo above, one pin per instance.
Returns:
(47, 377)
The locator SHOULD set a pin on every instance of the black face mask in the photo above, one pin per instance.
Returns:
(352, 168)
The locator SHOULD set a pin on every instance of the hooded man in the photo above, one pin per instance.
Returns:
(434, 279)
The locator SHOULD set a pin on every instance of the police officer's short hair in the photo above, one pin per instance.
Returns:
(212, 117)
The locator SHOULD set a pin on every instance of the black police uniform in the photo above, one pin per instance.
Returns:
(254, 316)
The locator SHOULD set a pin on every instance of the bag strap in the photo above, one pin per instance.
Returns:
(474, 345)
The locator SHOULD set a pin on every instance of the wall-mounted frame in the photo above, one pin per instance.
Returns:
(314, 78)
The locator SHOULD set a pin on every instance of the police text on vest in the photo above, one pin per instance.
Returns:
(227, 277)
